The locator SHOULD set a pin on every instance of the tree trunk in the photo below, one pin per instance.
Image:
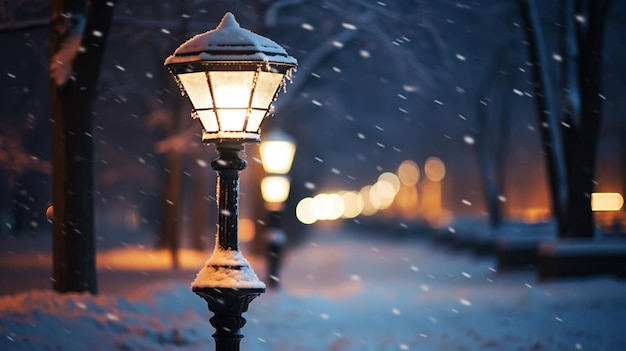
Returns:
(546, 111)
(171, 206)
(582, 106)
(582, 161)
(492, 136)
(200, 209)
(74, 266)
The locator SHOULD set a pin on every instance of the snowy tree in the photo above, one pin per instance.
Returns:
(78, 35)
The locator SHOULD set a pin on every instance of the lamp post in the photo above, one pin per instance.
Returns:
(277, 151)
(231, 76)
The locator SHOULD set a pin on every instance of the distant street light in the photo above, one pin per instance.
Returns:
(277, 151)
(231, 76)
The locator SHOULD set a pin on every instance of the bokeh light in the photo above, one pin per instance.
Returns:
(327, 206)
(435, 169)
(353, 204)
(392, 179)
(409, 173)
(606, 201)
(368, 208)
(304, 212)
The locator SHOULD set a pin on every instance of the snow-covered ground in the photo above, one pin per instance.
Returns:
(340, 292)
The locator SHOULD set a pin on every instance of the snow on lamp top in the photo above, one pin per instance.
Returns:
(230, 42)
(231, 77)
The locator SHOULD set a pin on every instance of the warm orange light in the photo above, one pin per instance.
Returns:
(50, 213)
(327, 206)
(409, 173)
(533, 215)
(353, 204)
(407, 200)
(246, 230)
(606, 201)
(435, 169)
(393, 180)
(368, 207)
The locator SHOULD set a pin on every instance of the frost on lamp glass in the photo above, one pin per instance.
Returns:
(227, 269)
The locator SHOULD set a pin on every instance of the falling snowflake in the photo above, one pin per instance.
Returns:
(364, 53)
(307, 26)
(409, 88)
(466, 202)
(460, 57)
(348, 26)
(468, 139)
(112, 317)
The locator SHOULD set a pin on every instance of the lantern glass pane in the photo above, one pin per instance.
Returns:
(265, 89)
(254, 120)
(232, 120)
(232, 89)
(208, 120)
(196, 86)
(277, 156)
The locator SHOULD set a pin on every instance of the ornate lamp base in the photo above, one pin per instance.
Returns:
(228, 305)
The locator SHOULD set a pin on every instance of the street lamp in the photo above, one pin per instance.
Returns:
(277, 151)
(231, 76)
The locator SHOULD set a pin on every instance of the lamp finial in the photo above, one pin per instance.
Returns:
(228, 21)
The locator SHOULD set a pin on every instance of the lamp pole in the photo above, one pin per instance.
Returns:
(231, 76)
(228, 304)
